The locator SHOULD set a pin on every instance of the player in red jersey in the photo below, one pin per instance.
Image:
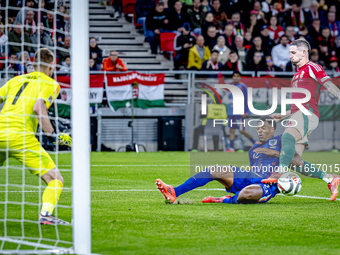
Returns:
(312, 77)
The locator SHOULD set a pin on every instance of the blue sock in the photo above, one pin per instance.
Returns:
(198, 180)
(231, 200)
(252, 140)
(232, 144)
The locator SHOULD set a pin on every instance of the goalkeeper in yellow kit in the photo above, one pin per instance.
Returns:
(27, 99)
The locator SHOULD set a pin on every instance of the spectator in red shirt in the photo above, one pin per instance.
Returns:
(113, 63)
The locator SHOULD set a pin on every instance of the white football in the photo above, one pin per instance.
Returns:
(289, 184)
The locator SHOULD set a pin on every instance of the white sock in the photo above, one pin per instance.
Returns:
(328, 178)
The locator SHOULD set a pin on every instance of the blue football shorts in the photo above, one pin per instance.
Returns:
(244, 178)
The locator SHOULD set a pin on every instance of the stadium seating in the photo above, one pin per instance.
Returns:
(129, 6)
(167, 43)
(137, 25)
(2, 61)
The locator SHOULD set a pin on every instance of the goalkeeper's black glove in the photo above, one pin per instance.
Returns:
(62, 139)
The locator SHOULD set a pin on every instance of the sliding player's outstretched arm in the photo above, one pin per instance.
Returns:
(332, 88)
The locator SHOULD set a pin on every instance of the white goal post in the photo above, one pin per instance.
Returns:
(81, 200)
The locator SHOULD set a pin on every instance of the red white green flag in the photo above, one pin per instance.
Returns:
(143, 90)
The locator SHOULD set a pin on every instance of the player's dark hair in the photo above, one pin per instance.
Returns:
(272, 122)
(159, 4)
(302, 42)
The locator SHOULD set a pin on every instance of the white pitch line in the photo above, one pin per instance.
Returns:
(153, 190)
(324, 198)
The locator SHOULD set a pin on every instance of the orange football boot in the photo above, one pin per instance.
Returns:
(167, 190)
(333, 186)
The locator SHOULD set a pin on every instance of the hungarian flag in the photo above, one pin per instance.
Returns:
(143, 90)
(65, 96)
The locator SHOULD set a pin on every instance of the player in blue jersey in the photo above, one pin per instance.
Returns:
(237, 121)
(244, 183)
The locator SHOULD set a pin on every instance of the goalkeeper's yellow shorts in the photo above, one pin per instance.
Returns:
(27, 151)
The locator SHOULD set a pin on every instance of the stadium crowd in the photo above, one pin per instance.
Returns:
(241, 35)
(52, 20)
(21, 22)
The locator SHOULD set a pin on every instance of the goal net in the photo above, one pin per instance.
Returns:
(43, 184)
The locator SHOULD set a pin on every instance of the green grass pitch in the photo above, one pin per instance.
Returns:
(129, 215)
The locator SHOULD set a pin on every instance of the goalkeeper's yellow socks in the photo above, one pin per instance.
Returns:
(51, 196)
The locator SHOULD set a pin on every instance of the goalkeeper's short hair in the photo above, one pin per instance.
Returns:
(42, 58)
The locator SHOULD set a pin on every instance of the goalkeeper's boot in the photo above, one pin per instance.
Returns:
(47, 218)
(215, 199)
(333, 186)
(167, 190)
